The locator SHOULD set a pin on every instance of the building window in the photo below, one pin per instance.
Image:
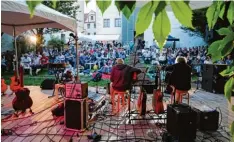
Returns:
(91, 17)
(94, 33)
(88, 33)
(117, 22)
(88, 26)
(94, 25)
(106, 23)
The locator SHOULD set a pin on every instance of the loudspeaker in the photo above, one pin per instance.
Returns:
(181, 122)
(210, 70)
(207, 120)
(47, 84)
(76, 114)
(214, 85)
(76, 90)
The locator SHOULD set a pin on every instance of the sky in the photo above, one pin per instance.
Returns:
(91, 6)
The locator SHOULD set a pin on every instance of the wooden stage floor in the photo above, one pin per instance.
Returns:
(42, 127)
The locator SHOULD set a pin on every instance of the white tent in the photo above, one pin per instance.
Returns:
(16, 19)
(15, 14)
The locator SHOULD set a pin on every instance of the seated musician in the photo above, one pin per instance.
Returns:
(121, 77)
(67, 77)
(180, 79)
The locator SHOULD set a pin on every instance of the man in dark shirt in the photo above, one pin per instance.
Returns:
(180, 79)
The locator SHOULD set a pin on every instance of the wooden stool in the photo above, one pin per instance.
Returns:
(120, 94)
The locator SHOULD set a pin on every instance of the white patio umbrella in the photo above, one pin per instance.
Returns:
(16, 20)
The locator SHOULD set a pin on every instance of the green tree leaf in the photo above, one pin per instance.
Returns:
(232, 129)
(32, 5)
(144, 17)
(161, 28)
(213, 13)
(103, 5)
(160, 7)
(228, 88)
(54, 3)
(126, 12)
(222, 11)
(227, 44)
(213, 50)
(228, 72)
(182, 12)
(224, 31)
(230, 13)
(86, 1)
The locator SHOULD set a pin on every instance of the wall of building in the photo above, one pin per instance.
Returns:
(92, 22)
(111, 13)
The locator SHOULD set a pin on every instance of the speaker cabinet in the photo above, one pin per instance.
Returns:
(76, 90)
(207, 120)
(76, 114)
(181, 122)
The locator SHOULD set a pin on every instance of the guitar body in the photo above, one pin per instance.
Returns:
(15, 85)
(17, 82)
(22, 100)
(3, 86)
(157, 102)
(141, 103)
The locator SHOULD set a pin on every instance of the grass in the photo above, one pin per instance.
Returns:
(36, 80)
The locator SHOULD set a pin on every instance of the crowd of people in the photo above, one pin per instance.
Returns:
(101, 57)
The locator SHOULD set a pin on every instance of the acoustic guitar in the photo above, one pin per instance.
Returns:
(141, 102)
(157, 100)
(3, 86)
(16, 81)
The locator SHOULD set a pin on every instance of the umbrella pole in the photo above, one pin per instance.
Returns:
(16, 53)
(77, 59)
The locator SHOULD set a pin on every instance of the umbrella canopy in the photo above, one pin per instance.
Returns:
(15, 14)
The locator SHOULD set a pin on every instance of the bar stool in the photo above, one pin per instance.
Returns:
(120, 94)
(181, 93)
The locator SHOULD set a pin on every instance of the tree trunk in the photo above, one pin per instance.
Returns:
(39, 41)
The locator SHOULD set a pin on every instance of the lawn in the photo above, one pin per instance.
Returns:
(36, 80)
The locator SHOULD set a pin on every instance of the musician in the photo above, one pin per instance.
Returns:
(180, 79)
(121, 77)
(67, 77)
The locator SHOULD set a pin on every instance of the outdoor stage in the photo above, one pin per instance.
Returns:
(43, 128)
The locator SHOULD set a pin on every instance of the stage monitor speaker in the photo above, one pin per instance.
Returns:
(47, 84)
(181, 122)
(76, 90)
(214, 85)
(207, 120)
(76, 114)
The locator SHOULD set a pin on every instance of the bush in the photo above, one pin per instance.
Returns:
(55, 43)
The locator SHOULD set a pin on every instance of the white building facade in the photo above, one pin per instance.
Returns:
(110, 23)
(90, 23)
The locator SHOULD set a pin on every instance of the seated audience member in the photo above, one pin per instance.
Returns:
(162, 59)
(3, 64)
(121, 78)
(44, 61)
(229, 60)
(208, 60)
(180, 79)
(26, 61)
(61, 58)
(36, 66)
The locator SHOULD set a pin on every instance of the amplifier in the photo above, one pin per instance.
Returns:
(207, 120)
(76, 90)
(181, 122)
(76, 114)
